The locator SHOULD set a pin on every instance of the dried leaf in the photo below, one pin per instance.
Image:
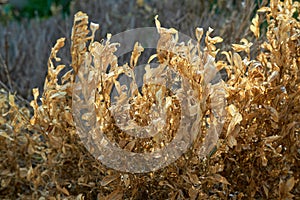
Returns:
(236, 118)
(219, 178)
(109, 178)
(63, 190)
(199, 33)
(255, 26)
(115, 195)
(5, 135)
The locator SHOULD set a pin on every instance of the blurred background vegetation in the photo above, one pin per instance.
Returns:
(19, 9)
(29, 28)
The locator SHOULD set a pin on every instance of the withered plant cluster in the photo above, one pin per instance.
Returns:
(23, 55)
(257, 155)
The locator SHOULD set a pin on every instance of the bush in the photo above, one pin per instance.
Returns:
(256, 156)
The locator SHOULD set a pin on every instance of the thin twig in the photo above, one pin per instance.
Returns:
(18, 97)
(6, 72)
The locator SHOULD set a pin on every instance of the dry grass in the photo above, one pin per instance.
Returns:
(258, 152)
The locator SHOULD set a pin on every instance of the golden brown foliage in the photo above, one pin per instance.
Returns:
(257, 155)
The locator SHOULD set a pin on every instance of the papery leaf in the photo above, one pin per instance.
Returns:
(255, 26)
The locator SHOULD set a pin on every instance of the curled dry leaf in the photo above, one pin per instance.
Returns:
(255, 26)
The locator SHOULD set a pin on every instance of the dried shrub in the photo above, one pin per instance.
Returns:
(25, 45)
(257, 155)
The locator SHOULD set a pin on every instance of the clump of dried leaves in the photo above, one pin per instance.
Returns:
(258, 151)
